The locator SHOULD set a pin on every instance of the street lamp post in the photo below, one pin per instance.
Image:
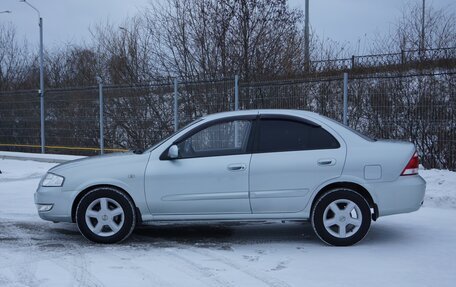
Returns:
(41, 91)
(307, 37)
(422, 40)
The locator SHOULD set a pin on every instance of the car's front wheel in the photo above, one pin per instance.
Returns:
(341, 217)
(105, 215)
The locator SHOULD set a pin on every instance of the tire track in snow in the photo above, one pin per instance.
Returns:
(75, 262)
(257, 276)
(44, 249)
(154, 278)
(205, 272)
(260, 276)
(192, 268)
(22, 267)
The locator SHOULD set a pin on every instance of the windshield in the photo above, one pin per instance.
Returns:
(171, 135)
(352, 130)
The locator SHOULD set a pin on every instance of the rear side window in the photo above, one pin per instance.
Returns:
(286, 135)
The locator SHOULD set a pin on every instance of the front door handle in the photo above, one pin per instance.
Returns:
(236, 167)
(326, 162)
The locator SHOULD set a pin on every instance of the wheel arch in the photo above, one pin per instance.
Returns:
(90, 188)
(350, 185)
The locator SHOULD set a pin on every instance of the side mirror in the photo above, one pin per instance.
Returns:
(173, 152)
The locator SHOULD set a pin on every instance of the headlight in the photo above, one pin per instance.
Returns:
(52, 180)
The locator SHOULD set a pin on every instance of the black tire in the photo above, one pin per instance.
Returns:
(128, 216)
(318, 216)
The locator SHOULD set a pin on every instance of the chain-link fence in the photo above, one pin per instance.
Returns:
(20, 121)
(417, 105)
(134, 117)
(323, 95)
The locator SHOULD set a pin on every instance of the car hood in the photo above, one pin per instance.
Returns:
(92, 160)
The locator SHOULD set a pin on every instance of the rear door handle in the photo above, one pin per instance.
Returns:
(326, 161)
(236, 167)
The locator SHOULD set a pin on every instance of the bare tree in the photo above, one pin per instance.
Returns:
(14, 59)
(72, 66)
(124, 51)
(439, 30)
(201, 39)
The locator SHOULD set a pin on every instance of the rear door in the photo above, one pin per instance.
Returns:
(292, 156)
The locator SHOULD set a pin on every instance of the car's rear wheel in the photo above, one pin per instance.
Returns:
(105, 215)
(341, 217)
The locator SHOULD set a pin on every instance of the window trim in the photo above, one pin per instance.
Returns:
(289, 118)
(256, 144)
(248, 150)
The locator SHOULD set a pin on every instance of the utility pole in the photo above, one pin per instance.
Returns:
(306, 38)
(422, 44)
(41, 91)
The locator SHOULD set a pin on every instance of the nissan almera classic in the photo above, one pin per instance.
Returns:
(240, 166)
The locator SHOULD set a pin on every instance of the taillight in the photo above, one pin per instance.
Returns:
(412, 166)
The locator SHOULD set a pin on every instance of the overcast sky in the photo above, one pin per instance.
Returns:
(67, 21)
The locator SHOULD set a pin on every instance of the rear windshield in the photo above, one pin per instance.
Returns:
(352, 130)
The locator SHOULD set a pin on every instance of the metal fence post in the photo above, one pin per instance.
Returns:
(236, 92)
(176, 107)
(100, 95)
(345, 115)
(42, 127)
(236, 107)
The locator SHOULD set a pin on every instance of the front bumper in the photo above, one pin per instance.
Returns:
(61, 202)
(406, 194)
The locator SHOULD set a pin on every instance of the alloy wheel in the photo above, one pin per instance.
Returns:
(104, 216)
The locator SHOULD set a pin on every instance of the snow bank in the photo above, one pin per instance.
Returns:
(14, 170)
(38, 156)
(440, 187)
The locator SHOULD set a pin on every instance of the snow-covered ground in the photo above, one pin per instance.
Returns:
(416, 249)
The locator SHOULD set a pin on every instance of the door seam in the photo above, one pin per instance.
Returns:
(250, 166)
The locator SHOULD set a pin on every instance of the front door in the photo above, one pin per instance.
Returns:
(210, 176)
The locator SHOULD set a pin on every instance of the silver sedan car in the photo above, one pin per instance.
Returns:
(240, 166)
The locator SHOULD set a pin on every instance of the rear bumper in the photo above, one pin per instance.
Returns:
(406, 194)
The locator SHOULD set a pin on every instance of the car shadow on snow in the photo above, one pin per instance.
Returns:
(224, 235)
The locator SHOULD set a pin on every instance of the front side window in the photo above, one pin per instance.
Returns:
(226, 138)
(286, 135)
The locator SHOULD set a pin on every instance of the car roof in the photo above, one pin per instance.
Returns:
(263, 112)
